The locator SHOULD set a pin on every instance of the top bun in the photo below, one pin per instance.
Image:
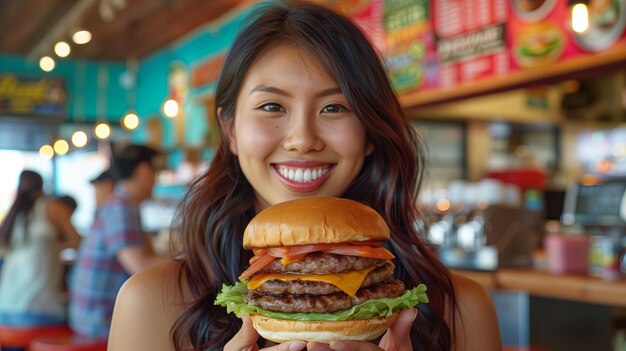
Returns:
(324, 220)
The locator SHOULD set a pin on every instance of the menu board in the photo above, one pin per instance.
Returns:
(597, 204)
(471, 39)
(24, 95)
(409, 44)
(540, 31)
(432, 44)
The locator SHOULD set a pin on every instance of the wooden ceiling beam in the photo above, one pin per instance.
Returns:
(121, 29)
(32, 15)
(195, 14)
(139, 29)
(8, 11)
(59, 30)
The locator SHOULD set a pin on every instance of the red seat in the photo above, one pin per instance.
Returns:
(68, 343)
(21, 337)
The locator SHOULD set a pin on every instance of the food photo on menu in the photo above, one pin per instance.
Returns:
(319, 273)
(607, 21)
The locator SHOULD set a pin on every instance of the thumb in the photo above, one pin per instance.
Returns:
(402, 326)
(245, 339)
(398, 335)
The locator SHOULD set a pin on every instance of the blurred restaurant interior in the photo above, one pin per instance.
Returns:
(522, 106)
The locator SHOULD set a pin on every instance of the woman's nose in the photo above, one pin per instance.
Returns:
(303, 135)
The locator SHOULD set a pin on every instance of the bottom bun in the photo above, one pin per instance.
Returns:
(281, 330)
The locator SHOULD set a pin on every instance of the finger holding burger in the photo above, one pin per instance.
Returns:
(246, 340)
(320, 273)
(396, 338)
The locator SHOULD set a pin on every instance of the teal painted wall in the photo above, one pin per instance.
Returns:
(152, 88)
(81, 81)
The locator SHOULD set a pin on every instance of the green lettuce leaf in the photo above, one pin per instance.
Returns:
(231, 297)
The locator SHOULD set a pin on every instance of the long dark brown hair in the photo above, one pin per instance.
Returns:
(29, 187)
(219, 205)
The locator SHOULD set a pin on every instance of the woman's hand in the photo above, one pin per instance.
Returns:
(245, 340)
(397, 338)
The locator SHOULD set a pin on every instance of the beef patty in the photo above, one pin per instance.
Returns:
(278, 287)
(292, 303)
(321, 263)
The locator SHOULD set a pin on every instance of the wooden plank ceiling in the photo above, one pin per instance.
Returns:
(138, 27)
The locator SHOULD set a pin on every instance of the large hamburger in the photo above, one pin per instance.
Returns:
(319, 273)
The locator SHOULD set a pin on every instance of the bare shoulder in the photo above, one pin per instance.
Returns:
(469, 291)
(146, 307)
(476, 324)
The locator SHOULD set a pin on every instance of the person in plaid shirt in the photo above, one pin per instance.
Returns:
(115, 247)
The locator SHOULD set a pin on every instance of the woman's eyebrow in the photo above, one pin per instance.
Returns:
(269, 89)
(329, 91)
(264, 88)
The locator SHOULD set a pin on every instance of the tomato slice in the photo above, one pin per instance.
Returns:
(372, 243)
(305, 249)
(289, 254)
(361, 251)
(259, 252)
(256, 264)
(299, 250)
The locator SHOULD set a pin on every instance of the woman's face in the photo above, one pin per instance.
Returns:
(294, 133)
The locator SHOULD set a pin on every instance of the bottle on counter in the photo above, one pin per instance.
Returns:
(605, 255)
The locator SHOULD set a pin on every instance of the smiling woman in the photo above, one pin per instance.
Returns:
(305, 111)
(292, 119)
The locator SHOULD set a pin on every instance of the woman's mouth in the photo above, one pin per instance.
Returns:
(301, 178)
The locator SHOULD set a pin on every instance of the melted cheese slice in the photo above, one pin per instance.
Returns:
(348, 282)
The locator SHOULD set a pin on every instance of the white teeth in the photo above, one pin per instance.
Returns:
(302, 175)
(299, 175)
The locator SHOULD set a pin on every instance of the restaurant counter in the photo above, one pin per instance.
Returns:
(579, 288)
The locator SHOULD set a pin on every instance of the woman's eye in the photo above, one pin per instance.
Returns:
(272, 107)
(334, 108)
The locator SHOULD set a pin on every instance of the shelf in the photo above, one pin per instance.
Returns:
(578, 66)
(540, 283)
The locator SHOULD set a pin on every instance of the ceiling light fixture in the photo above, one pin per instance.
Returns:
(81, 37)
(79, 138)
(62, 49)
(61, 147)
(63, 26)
(46, 64)
(170, 108)
(46, 151)
(580, 16)
(130, 121)
(102, 131)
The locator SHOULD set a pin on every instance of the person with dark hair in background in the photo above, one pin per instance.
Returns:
(103, 186)
(116, 246)
(34, 232)
(305, 109)
(69, 201)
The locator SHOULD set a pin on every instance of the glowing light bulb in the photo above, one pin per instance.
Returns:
(81, 37)
(46, 63)
(170, 108)
(442, 205)
(62, 49)
(46, 151)
(102, 131)
(61, 147)
(79, 138)
(130, 121)
(580, 18)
